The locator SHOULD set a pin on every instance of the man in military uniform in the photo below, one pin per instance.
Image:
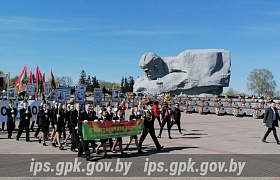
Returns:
(149, 120)
(25, 115)
(11, 115)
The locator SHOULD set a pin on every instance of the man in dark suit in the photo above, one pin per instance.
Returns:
(25, 115)
(270, 120)
(177, 117)
(86, 115)
(11, 115)
(74, 118)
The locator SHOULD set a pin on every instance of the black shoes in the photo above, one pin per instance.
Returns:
(17, 139)
(160, 148)
(140, 151)
(278, 143)
(40, 141)
(170, 137)
(107, 156)
(123, 154)
(44, 144)
(53, 144)
(264, 141)
(73, 150)
(61, 147)
(88, 158)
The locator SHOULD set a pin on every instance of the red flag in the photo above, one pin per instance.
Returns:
(43, 81)
(52, 80)
(38, 79)
(30, 81)
(22, 76)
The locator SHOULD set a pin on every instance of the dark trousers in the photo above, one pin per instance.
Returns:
(20, 130)
(10, 128)
(3, 125)
(178, 122)
(32, 126)
(111, 142)
(159, 122)
(85, 147)
(164, 121)
(37, 131)
(152, 134)
(75, 140)
(274, 133)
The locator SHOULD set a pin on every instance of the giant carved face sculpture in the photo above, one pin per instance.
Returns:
(153, 66)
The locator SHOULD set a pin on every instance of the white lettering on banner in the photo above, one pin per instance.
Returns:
(34, 106)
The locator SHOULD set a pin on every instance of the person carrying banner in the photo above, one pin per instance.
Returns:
(86, 115)
(11, 115)
(25, 115)
(102, 142)
(109, 117)
(118, 140)
(134, 116)
(149, 128)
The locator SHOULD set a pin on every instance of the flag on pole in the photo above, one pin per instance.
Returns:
(22, 76)
(30, 80)
(38, 81)
(52, 80)
(43, 83)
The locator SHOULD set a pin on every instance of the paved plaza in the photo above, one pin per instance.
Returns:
(202, 134)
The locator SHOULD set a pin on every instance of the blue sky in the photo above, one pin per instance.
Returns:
(107, 38)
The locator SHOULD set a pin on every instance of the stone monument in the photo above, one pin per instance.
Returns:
(192, 72)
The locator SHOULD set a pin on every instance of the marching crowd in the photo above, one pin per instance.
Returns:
(54, 121)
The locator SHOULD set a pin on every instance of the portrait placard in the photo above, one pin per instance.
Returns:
(97, 96)
(11, 93)
(79, 96)
(67, 94)
(48, 88)
(30, 89)
(60, 95)
(116, 95)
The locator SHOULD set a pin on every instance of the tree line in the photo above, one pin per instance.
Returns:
(126, 84)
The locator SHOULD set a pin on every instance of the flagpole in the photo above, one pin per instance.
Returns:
(8, 85)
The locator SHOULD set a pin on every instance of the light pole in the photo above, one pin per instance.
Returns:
(160, 85)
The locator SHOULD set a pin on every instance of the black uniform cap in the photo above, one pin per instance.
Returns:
(150, 103)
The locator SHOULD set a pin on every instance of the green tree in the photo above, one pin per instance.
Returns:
(131, 84)
(95, 83)
(83, 76)
(89, 84)
(122, 85)
(261, 82)
(231, 92)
